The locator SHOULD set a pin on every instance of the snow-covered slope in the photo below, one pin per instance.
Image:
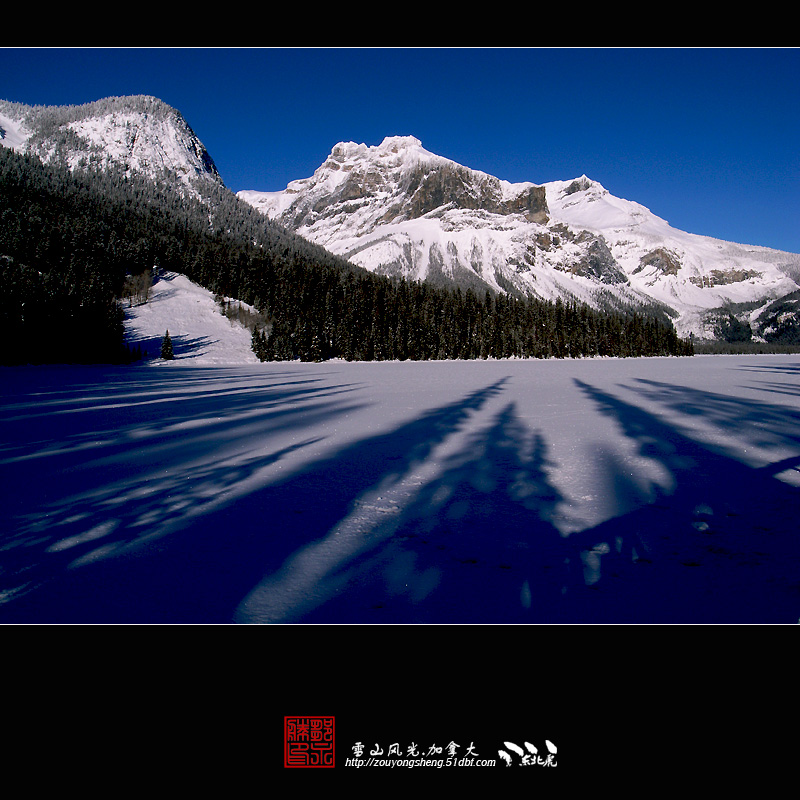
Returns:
(140, 133)
(201, 334)
(396, 208)
(690, 273)
(13, 131)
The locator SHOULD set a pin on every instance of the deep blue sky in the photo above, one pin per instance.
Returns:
(706, 138)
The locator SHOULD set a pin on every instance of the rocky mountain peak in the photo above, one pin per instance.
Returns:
(400, 180)
(398, 209)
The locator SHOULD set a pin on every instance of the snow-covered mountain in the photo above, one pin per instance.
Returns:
(140, 133)
(398, 209)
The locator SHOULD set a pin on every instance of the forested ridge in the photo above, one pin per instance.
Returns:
(70, 242)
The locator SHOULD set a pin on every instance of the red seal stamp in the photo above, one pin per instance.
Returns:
(308, 742)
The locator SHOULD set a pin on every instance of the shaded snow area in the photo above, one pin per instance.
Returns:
(201, 334)
(598, 491)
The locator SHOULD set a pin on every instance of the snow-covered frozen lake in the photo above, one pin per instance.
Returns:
(599, 491)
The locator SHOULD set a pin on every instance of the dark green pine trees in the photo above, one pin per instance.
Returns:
(371, 318)
(166, 348)
(260, 346)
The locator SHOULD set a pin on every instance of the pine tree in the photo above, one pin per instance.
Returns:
(257, 345)
(166, 347)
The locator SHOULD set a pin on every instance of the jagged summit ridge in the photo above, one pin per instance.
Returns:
(398, 209)
(401, 177)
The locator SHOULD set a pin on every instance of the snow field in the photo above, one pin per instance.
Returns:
(647, 490)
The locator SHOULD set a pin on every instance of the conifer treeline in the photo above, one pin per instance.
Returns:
(342, 316)
(61, 267)
(68, 240)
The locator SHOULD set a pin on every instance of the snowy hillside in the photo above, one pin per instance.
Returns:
(690, 273)
(140, 133)
(396, 208)
(201, 334)
(13, 132)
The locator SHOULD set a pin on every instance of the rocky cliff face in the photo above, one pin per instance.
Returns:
(449, 186)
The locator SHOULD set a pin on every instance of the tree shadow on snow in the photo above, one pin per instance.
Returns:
(93, 470)
(476, 544)
(202, 569)
(718, 544)
(713, 542)
(448, 518)
(183, 345)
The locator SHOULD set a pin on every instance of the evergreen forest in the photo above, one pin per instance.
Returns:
(72, 243)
